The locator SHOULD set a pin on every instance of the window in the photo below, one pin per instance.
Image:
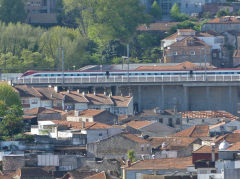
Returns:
(178, 121)
(192, 53)
(174, 53)
(100, 134)
(170, 122)
(203, 120)
(148, 147)
(142, 147)
(34, 101)
(160, 120)
(87, 120)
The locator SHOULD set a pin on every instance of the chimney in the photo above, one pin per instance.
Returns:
(129, 163)
(105, 93)
(49, 86)
(110, 94)
(51, 95)
(68, 91)
(78, 91)
(94, 92)
(213, 152)
(56, 89)
(83, 124)
(83, 93)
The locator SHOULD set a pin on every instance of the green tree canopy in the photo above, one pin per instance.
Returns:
(156, 11)
(221, 13)
(176, 13)
(8, 95)
(131, 156)
(12, 11)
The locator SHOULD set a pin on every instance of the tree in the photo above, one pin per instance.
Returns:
(3, 108)
(8, 95)
(131, 156)
(12, 11)
(156, 11)
(176, 13)
(221, 13)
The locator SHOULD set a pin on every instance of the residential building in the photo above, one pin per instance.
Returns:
(190, 49)
(173, 147)
(167, 117)
(155, 167)
(117, 146)
(92, 115)
(191, 118)
(41, 12)
(194, 131)
(150, 128)
(32, 97)
(224, 127)
(212, 39)
(32, 173)
(222, 24)
(205, 152)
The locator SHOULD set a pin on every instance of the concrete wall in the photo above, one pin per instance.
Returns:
(218, 27)
(191, 97)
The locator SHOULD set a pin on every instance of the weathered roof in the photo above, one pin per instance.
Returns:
(32, 172)
(207, 114)
(27, 91)
(138, 124)
(236, 54)
(49, 93)
(74, 97)
(189, 41)
(171, 142)
(134, 138)
(100, 175)
(99, 99)
(161, 164)
(205, 149)
(158, 26)
(194, 131)
(42, 110)
(121, 101)
(224, 20)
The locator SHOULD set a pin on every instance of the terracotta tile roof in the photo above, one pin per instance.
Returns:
(74, 97)
(28, 172)
(234, 146)
(138, 124)
(161, 164)
(236, 54)
(100, 175)
(99, 99)
(205, 149)
(41, 110)
(121, 101)
(189, 41)
(182, 66)
(158, 26)
(194, 131)
(49, 93)
(186, 30)
(171, 142)
(135, 138)
(27, 91)
(216, 125)
(207, 114)
(230, 138)
(172, 37)
(236, 131)
(80, 125)
(87, 112)
(224, 20)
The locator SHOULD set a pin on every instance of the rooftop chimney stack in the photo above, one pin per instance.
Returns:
(78, 91)
(213, 152)
(56, 89)
(83, 93)
(68, 91)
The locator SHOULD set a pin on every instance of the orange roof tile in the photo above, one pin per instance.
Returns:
(194, 131)
(100, 175)
(138, 124)
(189, 41)
(74, 97)
(236, 54)
(207, 114)
(205, 149)
(230, 138)
(135, 138)
(235, 146)
(161, 164)
(27, 91)
(99, 99)
(224, 20)
(171, 142)
(121, 101)
(42, 110)
(80, 125)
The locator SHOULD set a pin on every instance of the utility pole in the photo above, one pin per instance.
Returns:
(62, 65)
(128, 59)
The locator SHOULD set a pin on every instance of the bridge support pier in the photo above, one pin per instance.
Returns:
(185, 98)
(207, 98)
(116, 91)
(162, 98)
(139, 98)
